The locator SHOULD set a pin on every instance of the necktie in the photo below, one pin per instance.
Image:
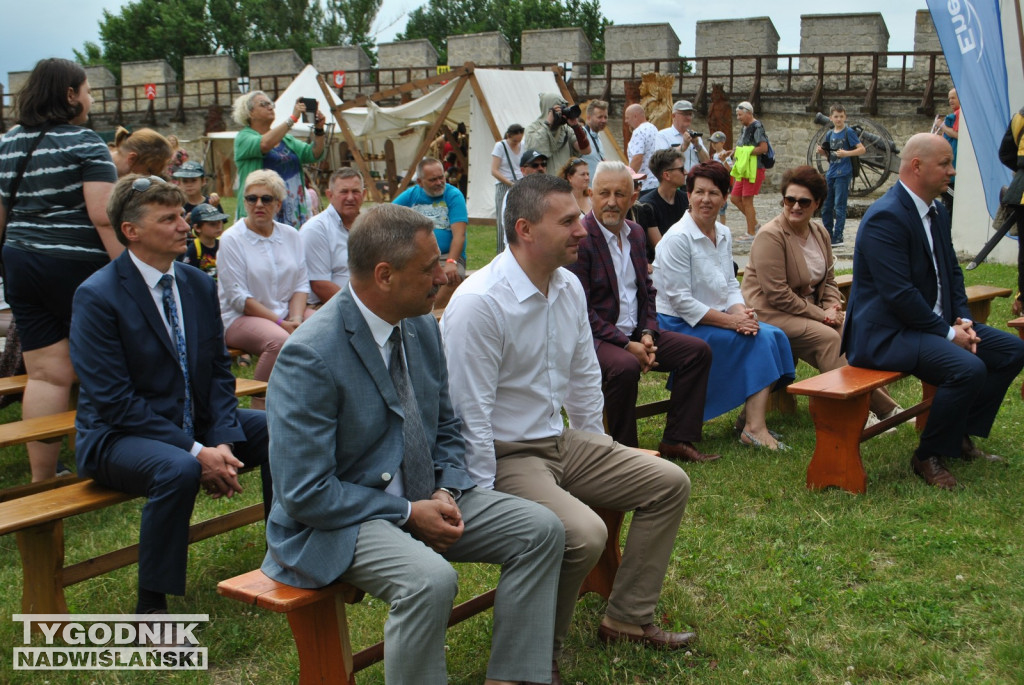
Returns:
(417, 463)
(171, 311)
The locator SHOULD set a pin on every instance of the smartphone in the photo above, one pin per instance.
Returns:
(311, 108)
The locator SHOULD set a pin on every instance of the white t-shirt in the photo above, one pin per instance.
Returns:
(503, 168)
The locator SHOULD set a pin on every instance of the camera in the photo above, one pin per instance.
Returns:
(311, 109)
(571, 111)
(695, 134)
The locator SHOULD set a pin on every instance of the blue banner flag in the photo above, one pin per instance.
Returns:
(971, 37)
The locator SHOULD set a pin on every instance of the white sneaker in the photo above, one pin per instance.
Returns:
(874, 418)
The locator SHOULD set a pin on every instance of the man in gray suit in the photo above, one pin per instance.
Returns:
(370, 486)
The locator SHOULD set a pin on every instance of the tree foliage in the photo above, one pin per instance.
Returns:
(174, 29)
(439, 19)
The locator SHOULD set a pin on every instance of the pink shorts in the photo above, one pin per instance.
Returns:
(745, 188)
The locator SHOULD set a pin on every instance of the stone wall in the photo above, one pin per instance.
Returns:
(483, 49)
(134, 78)
(273, 70)
(843, 33)
(641, 42)
(210, 80)
(351, 59)
(926, 40)
(718, 39)
(550, 46)
(412, 59)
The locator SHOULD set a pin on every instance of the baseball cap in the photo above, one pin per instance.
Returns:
(717, 137)
(189, 170)
(529, 156)
(746, 105)
(206, 212)
(683, 106)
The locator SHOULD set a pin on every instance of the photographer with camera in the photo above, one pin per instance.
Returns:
(557, 133)
(679, 136)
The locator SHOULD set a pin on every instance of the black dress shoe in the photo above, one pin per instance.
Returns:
(970, 452)
(685, 451)
(933, 471)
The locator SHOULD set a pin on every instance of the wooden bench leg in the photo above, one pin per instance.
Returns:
(602, 576)
(837, 428)
(321, 636)
(782, 402)
(42, 567)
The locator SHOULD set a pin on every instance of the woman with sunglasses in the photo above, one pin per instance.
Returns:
(262, 144)
(261, 276)
(577, 173)
(698, 295)
(789, 280)
(56, 230)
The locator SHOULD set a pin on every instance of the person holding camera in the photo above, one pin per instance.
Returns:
(557, 133)
(679, 136)
(262, 144)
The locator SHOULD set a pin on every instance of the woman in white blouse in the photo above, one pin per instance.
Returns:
(698, 295)
(505, 163)
(262, 278)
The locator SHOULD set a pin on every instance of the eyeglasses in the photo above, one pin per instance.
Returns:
(141, 185)
(804, 202)
(675, 168)
(265, 199)
(265, 103)
(539, 165)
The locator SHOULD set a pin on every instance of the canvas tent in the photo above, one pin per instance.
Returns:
(498, 96)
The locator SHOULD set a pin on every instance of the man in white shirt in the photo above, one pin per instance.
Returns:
(641, 144)
(373, 488)
(679, 136)
(325, 236)
(516, 331)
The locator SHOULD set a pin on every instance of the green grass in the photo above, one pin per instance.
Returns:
(904, 584)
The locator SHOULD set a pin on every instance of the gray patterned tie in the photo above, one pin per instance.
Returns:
(417, 464)
(171, 312)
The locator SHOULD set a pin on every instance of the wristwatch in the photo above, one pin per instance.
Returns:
(651, 332)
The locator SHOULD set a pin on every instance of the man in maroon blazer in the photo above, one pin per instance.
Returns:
(612, 266)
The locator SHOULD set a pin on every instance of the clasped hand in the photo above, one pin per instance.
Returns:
(644, 353)
(964, 335)
(219, 477)
(436, 522)
(745, 321)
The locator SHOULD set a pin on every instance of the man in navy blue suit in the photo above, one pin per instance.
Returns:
(908, 312)
(157, 414)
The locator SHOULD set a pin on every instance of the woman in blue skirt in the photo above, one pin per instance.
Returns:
(699, 295)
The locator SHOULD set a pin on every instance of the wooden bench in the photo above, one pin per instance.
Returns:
(36, 513)
(838, 401)
(13, 385)
(319, 624)
(979, 297)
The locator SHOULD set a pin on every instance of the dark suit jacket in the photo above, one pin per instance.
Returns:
(894, 286)
(335, 422)
(128, 366)
(594, 268)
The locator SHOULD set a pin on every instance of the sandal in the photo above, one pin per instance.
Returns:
(754, 442)
(741, 421)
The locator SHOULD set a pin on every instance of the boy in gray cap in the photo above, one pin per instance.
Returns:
(189, 177)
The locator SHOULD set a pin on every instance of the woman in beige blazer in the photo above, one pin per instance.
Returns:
(790, 283)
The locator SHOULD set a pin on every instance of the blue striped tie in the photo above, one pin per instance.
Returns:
(171, 311)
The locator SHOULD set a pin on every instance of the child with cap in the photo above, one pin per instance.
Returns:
(724, 157)
(189, 176)
(207, 225)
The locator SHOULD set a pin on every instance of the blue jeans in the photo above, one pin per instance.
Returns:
(835, 204)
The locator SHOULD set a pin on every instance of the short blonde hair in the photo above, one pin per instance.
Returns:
(241, 111)
(268, 178)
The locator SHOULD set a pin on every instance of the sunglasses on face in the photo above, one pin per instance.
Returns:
(538, 165)
(265, 199)
(804, 202)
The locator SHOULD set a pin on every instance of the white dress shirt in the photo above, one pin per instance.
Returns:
(325, 245)
(511, 353)
(268, 269)
(922, 211)
(151, 275)
(625, 276)
(693, 275)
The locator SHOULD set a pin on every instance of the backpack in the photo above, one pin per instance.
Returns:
(767, 158)
(854, 161)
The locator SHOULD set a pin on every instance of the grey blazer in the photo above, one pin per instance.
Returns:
(335, 424)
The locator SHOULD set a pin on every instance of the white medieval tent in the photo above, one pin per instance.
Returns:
(486, 100)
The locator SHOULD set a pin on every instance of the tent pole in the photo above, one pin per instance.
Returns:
(364, 168)
(485, 107)
(432, 133)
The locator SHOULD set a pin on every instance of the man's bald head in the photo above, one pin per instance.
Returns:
(634, 115)
(926, 165)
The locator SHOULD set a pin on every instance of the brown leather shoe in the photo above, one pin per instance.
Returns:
(933, 471)
(685, 451)
(653, 637)
(556, 677)
(970, 452)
